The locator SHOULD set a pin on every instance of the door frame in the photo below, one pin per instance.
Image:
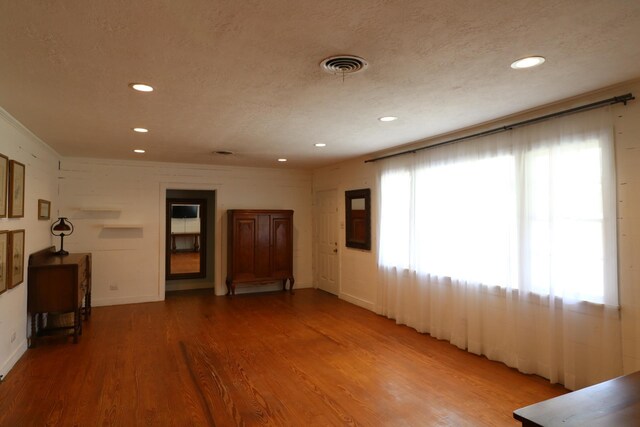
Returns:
(214, 213)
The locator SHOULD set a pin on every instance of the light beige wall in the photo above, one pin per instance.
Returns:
(128, 264)
(627, 133)
(358, 268)
(41, 164)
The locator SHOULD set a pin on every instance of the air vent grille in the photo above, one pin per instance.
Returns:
(343, 64)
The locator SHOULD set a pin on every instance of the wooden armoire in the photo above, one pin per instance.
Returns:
(259, 247)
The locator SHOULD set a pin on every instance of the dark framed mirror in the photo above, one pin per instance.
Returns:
(186, 238)
(358, 218)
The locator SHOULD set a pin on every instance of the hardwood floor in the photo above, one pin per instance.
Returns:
(280, 359)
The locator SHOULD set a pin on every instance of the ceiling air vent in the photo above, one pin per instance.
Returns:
(343, 64)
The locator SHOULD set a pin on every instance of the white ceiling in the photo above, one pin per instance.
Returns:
(244, 75)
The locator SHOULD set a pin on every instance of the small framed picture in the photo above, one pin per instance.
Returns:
(4, 258)
(44, 208)
(16, 258)
(4, 178)
(16, 189)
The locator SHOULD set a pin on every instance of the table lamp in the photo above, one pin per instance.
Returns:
(62, 227)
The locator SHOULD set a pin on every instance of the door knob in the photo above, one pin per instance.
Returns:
(335, 251)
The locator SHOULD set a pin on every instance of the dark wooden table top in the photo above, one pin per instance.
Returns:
(611, 403)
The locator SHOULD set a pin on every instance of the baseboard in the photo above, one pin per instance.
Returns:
(101, 302)
(357, 301)
(15, 356)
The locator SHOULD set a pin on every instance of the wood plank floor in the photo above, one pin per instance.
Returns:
(279, 359)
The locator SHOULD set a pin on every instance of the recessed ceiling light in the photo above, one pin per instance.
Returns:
(528, 62)
(139, 151)
(320, 144)
(141, 87)
(388, 118)
(282, 160)
(141, 130)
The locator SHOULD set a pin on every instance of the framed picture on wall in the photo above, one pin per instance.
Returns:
(44, 208)
(16, 189)
(4, 178)
(16, 258)
(4, 258)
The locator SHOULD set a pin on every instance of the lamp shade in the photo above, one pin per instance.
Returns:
(62, 227)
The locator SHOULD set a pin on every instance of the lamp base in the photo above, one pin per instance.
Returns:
(61, 252)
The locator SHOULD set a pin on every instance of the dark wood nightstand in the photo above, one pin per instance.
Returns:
(58, 284)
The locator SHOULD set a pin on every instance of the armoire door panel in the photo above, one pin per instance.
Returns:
(263, 247)
(244, 251)
(281, 262)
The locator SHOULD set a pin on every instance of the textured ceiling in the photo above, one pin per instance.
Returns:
(244, 76)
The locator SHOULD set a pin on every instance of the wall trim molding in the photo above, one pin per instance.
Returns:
(26, 132)
(103, 302)
(356, 301)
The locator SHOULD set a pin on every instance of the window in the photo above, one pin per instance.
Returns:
(530, 210)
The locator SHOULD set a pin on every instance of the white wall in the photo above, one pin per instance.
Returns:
(41, 182)
(358, 277)
(128, 264)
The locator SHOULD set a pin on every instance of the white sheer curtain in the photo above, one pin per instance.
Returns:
(506, 246)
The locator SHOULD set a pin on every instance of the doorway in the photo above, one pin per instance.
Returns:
(189, 244)
(327, 241)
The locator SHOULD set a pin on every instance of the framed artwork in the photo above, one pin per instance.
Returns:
(4, 258)
(16, 258)
(16, 189)
(44, 208)
(4, 178)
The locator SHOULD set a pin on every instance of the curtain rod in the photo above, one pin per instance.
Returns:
(615, 100)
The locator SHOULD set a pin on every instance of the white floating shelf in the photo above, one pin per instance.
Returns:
(121, 226)
(99, 210)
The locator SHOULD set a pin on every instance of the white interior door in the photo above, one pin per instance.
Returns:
(327, 240)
